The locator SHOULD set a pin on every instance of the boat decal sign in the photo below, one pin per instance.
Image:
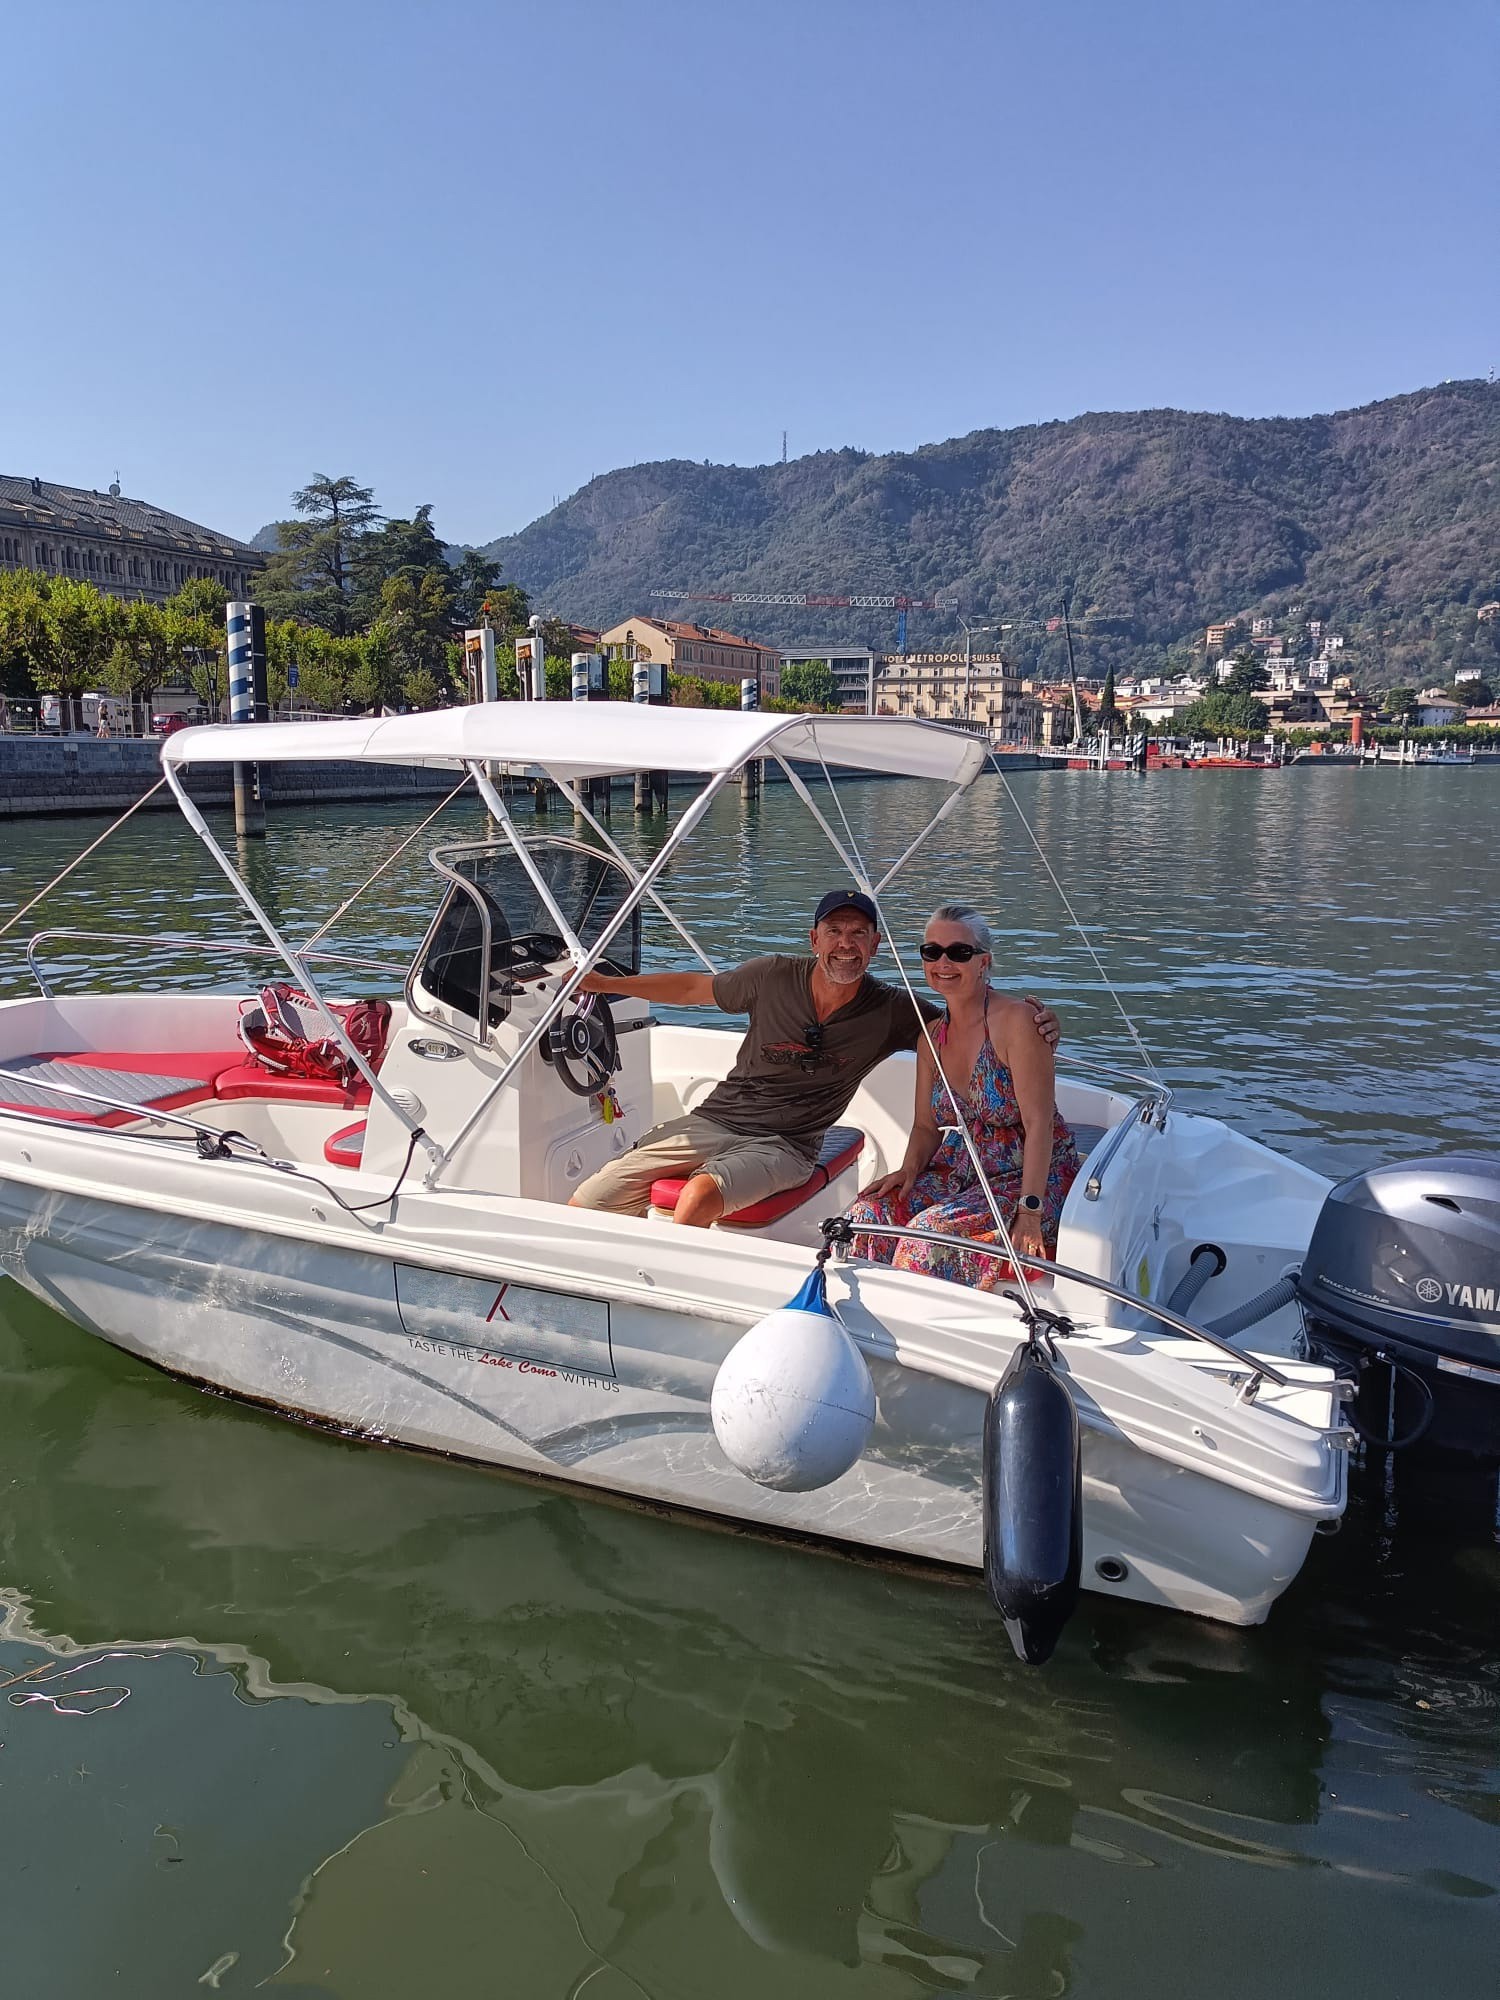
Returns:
(537, 1329)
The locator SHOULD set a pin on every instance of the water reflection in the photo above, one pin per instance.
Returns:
(633, 1747)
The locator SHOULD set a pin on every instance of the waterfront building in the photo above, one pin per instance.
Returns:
(1437, 710)
(1165, 705)
(702, 650)
(128, 548)
(853, 669)
(981, 691)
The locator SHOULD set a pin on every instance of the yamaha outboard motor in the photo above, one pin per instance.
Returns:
(1404, 1268)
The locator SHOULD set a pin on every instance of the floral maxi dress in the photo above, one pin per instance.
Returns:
(946, 1197)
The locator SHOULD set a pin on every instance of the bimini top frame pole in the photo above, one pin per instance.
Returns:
(565, 992)
(645, 887)
(293, 964)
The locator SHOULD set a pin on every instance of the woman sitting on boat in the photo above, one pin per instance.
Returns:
(1001, 1073)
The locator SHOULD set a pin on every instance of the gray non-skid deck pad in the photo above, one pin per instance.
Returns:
(125, 1086)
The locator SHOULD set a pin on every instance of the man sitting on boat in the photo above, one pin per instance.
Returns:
(818, 1026)
(984, 1064)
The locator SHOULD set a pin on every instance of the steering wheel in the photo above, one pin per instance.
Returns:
(582, 1046)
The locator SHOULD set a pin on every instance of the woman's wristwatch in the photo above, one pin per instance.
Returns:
(1029, 1204)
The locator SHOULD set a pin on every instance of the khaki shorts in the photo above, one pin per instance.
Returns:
(745, 1167)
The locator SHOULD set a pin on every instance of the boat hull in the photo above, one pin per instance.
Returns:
(573, 1383)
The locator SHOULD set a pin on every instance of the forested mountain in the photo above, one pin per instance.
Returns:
(1384, 521)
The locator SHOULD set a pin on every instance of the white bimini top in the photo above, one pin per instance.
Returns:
(593, 740)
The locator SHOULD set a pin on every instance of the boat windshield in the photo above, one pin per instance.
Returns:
(492, 905)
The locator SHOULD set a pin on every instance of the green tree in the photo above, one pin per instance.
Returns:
(204, 646)
(314, 572)
(412, 635)
(1225, 714)
(399, 548)
(421, 688)
(508, 609)
(474, 579)
(26, 633)
(147, 652)
(1247, 675)
(201, 597)
(1107, 720)
(323, 665)
(283, 637)
(81, 621)
(809, 684)
(1400, 702)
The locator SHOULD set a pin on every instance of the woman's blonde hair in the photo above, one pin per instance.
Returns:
(969, 917)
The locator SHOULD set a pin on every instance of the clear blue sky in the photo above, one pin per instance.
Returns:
(476, 253)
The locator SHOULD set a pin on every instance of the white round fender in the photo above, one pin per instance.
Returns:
(793, 1402)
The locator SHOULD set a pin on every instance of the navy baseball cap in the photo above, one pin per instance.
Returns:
(846, 899)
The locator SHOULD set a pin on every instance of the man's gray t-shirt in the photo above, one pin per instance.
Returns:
(794, 1076)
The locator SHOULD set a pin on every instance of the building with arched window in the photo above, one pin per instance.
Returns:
(126, 547)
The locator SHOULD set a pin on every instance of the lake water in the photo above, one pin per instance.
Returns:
(289, 1713)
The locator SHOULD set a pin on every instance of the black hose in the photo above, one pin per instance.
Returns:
(1387, 1440)
(1272, 1299)
(1206, 1262)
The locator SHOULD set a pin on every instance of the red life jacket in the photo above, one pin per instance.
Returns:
(283, 1032)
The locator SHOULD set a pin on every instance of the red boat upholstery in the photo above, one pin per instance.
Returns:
(346, 1148)
(841, 1148)
(248, 1079)
(190, 1074)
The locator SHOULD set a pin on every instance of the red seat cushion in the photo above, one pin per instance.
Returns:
(202, 1066)
(248, 1079)
(841, 1148)
(347, 1147)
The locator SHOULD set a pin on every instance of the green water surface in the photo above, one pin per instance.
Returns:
(291, 1713)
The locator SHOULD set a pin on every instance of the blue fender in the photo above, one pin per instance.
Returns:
(1033, 1503)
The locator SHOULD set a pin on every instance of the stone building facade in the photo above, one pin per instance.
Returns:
(702, 650)
(128, 548)
(979, 691)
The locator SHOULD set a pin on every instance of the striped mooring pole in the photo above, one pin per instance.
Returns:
(246, 627)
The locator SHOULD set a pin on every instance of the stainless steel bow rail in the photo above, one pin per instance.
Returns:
(215, 948)
(839, 1233)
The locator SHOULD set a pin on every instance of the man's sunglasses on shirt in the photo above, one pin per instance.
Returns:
(959, 953)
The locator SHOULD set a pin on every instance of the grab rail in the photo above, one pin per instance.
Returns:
(1138, 1114)
(1154, 1088)
(212, 946)
(1258, 1369)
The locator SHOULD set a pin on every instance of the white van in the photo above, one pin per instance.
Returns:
(114, 710)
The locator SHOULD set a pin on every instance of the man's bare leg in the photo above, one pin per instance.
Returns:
(700, 1203)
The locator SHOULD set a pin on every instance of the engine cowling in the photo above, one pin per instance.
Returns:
(1404, 1263)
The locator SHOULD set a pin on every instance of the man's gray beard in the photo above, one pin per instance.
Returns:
(843, 978)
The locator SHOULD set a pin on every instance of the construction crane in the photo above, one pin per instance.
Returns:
(812, 601)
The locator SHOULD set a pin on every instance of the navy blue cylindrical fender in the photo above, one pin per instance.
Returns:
(1033, 1503)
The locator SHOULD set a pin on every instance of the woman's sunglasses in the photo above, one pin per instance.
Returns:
(959, 953)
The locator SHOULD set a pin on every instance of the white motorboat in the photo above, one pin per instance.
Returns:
(386, 1247)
